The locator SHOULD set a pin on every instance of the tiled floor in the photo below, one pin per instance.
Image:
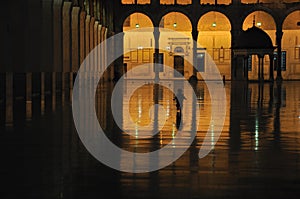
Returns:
(256, 156)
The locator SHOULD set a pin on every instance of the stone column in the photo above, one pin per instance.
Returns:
(9, 99)
(53, 91)
(155, 3)
(279, 34)
(82, 37)
(57, 35)
(102, 54)
(195, 46)
(87, 41)
(96, 63)
(28, 96)
(119, 49)
(236, 1)
(105, 53)
(99, 58)
(75, 38)
(194, 2)
(42, 93)
(92, 24)
(75, 47)
(66, 27)
(156, 34)
(234, 60)
(87, 34)
(47, 36)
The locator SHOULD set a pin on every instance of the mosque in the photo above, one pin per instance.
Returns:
(45, 42)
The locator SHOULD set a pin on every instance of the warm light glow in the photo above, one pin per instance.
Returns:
(256, 134)
(175, 25)
(214, 24)
(137, 25)
(258, 24)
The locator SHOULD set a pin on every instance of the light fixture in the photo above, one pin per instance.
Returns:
(175, 21)
(137, 25)
(258, 24)
(214, 24)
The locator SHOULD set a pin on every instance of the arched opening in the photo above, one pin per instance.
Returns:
(260, 1)
(266, 22)
(214, 2)
(176, 47)
(138, 45)
(291, 46)
(214, 36)
(170, 2)
(136, 1)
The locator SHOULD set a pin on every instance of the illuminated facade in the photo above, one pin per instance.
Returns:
(57, 36)
(216, 25)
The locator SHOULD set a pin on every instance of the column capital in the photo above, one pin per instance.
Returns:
(279, 34)
(195, 33)
(156, 33)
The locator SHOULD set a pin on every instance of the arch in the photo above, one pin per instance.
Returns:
(214, 35)
(266, 22)
(176, 20)
(122, 18)
(222, 22)
(259, 8)
(137, 20)
(139, 44)
(262, 19)
(178, 49)
(291, 45)
(220, 10)
(255, 1)
(291, 20)
(136, 2)
(289, 11)
(219, 2)
(172, 2)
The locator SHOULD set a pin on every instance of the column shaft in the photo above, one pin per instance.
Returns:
(9, 99)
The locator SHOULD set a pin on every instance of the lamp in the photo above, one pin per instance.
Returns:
(214, 24)
(137, 25)
(258, 24)
(175, 23)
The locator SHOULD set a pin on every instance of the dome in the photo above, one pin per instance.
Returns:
(254, 38)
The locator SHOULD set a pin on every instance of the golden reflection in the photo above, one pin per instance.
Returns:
(141, 113)
(141, 109)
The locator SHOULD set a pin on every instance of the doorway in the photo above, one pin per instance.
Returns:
(178, 66)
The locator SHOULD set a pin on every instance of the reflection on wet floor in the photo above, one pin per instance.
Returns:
(256, 156)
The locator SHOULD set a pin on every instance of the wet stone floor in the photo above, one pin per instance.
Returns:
(256, 156)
